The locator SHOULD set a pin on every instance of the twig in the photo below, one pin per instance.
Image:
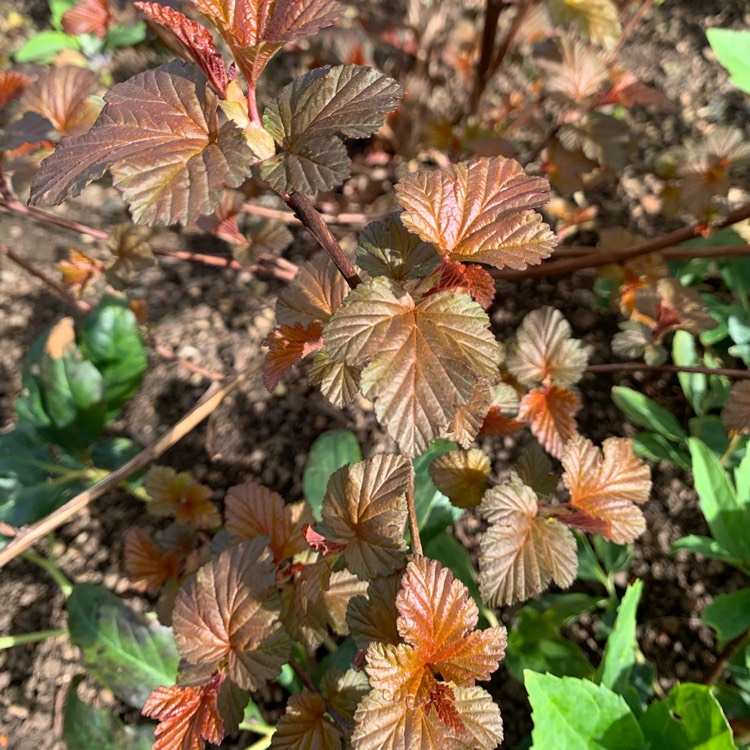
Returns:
(207, 404)
(168, 354)
(671, 239)
(492, 12)
(548, 136)
(416, 540)
(630, 27)
(310, 685)
(343, 219)
(48, 280)
(507, 43)
(726, 654)
(312, 220)
(615, 367)
(48, 218)
(22, 639)
(670, 253)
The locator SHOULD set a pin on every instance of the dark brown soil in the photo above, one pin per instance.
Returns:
(217, 319)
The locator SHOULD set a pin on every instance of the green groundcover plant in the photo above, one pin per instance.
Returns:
(358, 599)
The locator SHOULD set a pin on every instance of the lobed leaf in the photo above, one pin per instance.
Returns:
(338, 382)
(608, 484)
(158, 136)
(372, 618)
(229, 613)
(12, 84)
(309, 114)
(534, 469)
(179, 495)
(462, 475)
(550, 413)
(145, 562)
(365, 507)
(473, 280)
(288, 345)
(481, 211)
(421, 358)
(501, 417)
(305, 725)
(544, 352)
(521, 552)
(88, 17)
(252, 510)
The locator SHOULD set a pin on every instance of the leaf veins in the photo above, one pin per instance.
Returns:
(551, 414)
(462, 476)
(305, 725)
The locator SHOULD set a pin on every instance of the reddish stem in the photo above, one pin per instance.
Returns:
(310, 685)
(47, 218)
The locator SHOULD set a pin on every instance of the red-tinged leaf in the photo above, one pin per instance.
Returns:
(188, 716)
(400, 672)
(550, 412)
(501, 417)
(421, 358)
(521, 552)
(305, 725)
(12, 84)
(287, 346)
(310, 114)
(196, 40)
(462, 279)
(462, 475)
(469, 416)
(544, 352)
(179, 495)
(78, 270)
(480, 211)
(443, 700)
(629, 91)
(372, 618)
(144, 561)
(262, 236)
(577, 519)
(365, 508)
(338, 382)
(61, 95)
(320, 543)
(166, 154)
(251, 510)
(608, 484)
(580, 73)
(88, 17)
(228, 613)
(735, 415)
(315, 293)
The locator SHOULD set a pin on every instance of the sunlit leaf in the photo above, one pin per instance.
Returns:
(521, 552)
(145, 562)
(88, 17)
(501, 417)
(288, 345)
(78, 270)
(167, 155)
(544, 351)
(480, 211)
(338, 382)
(344, 690)
(305, 725)
(179, 495)
(580, 73)
(462, 279)
(608, 484)
(735, 416)
(365, 508)
(421, 358)
(551, 414)
(598, 20)
(372, 618)
(307, 117)
(470, 416)
(462, 475)
(12, 84)
(251, 511)
(229, 613)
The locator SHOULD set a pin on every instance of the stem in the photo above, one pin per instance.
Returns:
(630, 27)
(310, 685)
(634, 366)
(48, 280)
(252, 105)
(48, 218)
(9, 641)
(726, 654)
(518, 19)
(312, 220)
(671, 253)
(416, 540)
(204, 408)
(344, 219)
(604, 259)
(548, 136)
(168, 354)
(492, 11)
(52, 569)
(731, 448)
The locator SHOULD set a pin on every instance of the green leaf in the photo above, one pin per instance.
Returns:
(694, 384)
(572, 714)
(727, 516)
(657, 448)
(119, 35)
(56, 9)
(710, 430)
(112, 341)
(620, 651)
(614, 557)
(329, 452)
(560, 609)
(689, 719)
(89, 728)
(732, 48)
(703, 545)
(435, 512)
(307, 117)
(112, 454)
(647, 413)
(124, 651)
(44, 47)
(729, 615)
(453, 555)
(742, 478)
(535, 643)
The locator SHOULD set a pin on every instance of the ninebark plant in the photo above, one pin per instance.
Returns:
(408, 329)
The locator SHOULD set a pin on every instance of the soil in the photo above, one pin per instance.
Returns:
(217, 318)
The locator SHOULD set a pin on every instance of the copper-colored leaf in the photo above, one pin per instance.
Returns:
(131, 253)
(470, 416)
(421, 358)
(598, 20)
(288, 345)
(88, 17)
(179, 495)
(580, 73)
(78, 270)
(262, 237)
(500, 418)
(372, 618)
(608, 484)
(481, 211)
(344, 691)
(188, 716)
(305, 725)
(550, 412)
(196, 40)
(229, 613)
(338, 382)
(252, 510)
(365, 507)
(681, 308)
(12, 84)
(462, 475)
(462, 279)
(310, 114)
(144, 561)
(167, 154)
(544, 352)
(735, 415)
(521, 552)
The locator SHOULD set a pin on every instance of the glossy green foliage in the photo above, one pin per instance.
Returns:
(732, 48)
